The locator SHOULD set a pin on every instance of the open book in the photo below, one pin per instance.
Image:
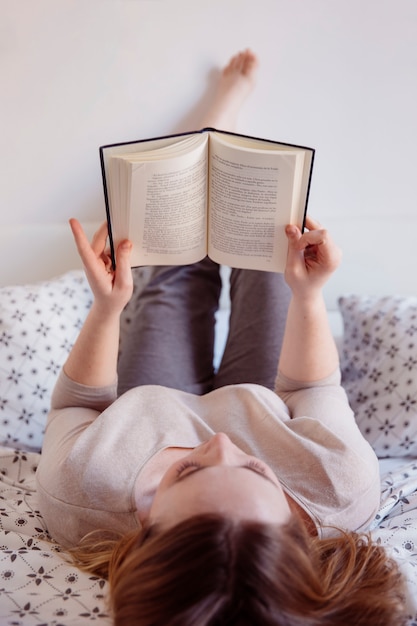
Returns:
(208, 192)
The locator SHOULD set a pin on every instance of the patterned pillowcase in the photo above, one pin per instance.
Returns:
(379, 370)
(38, 325)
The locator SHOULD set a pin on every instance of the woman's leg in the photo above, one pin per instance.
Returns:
(170, 336)
(259, 299)
(236, 82)
(259, 304)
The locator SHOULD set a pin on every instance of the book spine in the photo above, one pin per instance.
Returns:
(106, 201)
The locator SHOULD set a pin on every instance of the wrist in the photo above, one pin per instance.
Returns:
(102, 313)
(308, 299)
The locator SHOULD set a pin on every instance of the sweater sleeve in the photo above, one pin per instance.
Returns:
(68, 393)
(324, 401)
(344, 485)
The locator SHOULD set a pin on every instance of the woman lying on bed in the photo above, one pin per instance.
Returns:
(228, 497)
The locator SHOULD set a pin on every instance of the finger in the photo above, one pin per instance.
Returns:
(80, 238)
(294, 253)
(87, 254)
(123, 277)
(293, 235)
(99, 240)
(312, 224)
(312, 238)
(321, 248)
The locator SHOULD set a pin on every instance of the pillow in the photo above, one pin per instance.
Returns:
(38, 325)
(379, 370)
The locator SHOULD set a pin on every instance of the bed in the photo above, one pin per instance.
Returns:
(40, 317)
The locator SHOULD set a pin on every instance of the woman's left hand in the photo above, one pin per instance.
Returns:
(112, 289)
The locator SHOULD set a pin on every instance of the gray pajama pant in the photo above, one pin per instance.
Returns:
(170, 338)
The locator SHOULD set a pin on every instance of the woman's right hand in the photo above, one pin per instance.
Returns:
(312, 258)
(308, 351)
(112, 289)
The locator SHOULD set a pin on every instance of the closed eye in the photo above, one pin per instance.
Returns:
(185, 465)
(252, 465)
(256, 466)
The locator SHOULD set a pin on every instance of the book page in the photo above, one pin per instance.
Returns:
(250, 202)
(166, 205)
(118, 174)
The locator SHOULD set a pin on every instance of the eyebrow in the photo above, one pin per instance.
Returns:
(247, 467)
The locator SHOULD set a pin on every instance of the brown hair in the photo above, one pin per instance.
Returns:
(212, 571)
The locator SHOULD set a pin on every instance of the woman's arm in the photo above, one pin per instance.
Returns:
(309, 352)
(93, 358)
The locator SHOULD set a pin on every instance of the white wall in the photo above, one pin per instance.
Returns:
(339, 75)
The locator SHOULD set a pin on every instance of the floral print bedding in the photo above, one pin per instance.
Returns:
(39, 587)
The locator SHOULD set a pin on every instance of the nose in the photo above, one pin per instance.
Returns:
(220, 449)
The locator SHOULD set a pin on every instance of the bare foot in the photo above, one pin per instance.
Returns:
(236, 83)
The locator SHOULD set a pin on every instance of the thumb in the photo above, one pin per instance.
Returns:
(293, 235)
(123, 252)
(123, 268)
(294, 256)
